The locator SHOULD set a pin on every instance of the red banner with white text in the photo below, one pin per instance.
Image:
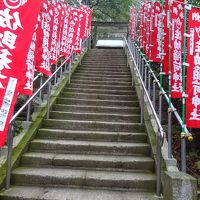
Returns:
(44, 33)
(15, 37)
(155, 34)
(193, 70)
(177, 38)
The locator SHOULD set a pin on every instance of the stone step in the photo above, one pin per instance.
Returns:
(94, 116)
(75, 177)
(104, 71)
(98, 96)
(101, 87)
(107, 65)
(100, 91)
(97, 102)
(105, 59)
(89, 147)
(105, 55)
(104, 68)
(99, 109)
(93, 125)
(53, 193)
(99, 78)
(38, 159)
(104, 63)
(107, 82)
(92, 135)
(99, 75)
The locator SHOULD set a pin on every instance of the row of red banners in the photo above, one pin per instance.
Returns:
(161, 37)
(34, 34)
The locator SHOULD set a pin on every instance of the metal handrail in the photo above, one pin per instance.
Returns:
(160, 134)
(85, 44)
(147, 95)
(165, 95)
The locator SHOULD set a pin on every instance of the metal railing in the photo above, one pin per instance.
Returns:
(143, 63)
(86, 44)
(145, 93)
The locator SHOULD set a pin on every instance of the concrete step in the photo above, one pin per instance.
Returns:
(89, 147)
(104, 63)
(102, 75)
(74, 177)
(107, 59)
(99, 78)
(105, 53)
(104, 68)
(54, 134)
(52, 193)
(95, 66)
(105, 71)
(87, 57)
(39, 159)
(106, 82)
(93, 125)
(93, 102)
(94, 116)
(101, 87)
(99, 109)
(93, 96)
(100, 91)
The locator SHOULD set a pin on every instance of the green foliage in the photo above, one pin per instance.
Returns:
(110, 10)
(195, 2)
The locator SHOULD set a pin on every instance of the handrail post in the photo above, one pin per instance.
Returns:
(55, 77)
(70, 65)
(145, 76)
(28, 112)
(9, 156)
(142, 71)
(61, 71)
(158, 165)
(183, 154)
(149, 84)
(41, 82)
(160, 107)
(65, 68)
(154, 94)
(142, 106)
(169, 133)
(48, 99)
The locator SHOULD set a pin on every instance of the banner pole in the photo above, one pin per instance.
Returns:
(161, 65)
(183, 134)
(170, 76)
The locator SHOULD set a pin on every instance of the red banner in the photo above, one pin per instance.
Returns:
(166, 39)
(55, 36)
(177, 38)
(72, 31)
(43, 43)
(155, 35)
(133, 23)
(26, 86)
(80, 31)
(193, 70)
(63, 44)
(15, 37)
(143, 28)
(148, 29)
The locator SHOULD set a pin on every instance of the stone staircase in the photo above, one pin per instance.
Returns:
(93, 146)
